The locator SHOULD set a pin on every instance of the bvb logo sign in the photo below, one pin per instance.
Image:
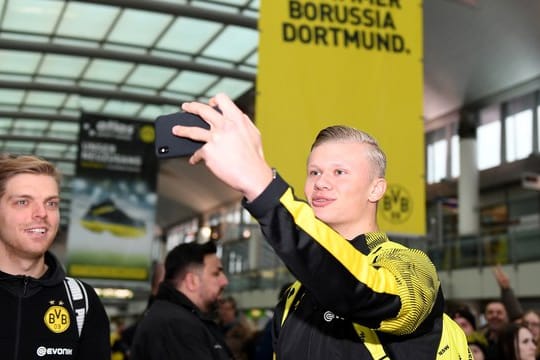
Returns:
(397, 204)
(57, 319)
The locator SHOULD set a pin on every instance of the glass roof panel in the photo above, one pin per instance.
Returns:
(15, 77)
(52, 80)
(191, 82)
(18, 61)
(77, 42)
(65, 126)
(38, 125)
(66, 169)
(45, 98)
(188, 35)
(253, 60)
(9, 96)
(91, 104)
(32, 15)
(50, 149)
(69, 112)
(19, 146)
(138, 90)
(30, 133)
(61, 65)
(5, 125)
(139, 27)
(72, 151)
(234, 43)
(121, 107)
(149, 75)
(232, 87)
(89, 21)
(153, 111)
(107, 70)
(73, 101)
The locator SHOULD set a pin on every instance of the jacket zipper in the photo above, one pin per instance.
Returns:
(19, 311)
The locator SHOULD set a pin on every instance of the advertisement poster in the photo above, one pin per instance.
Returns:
(356, 63)
(113, 200)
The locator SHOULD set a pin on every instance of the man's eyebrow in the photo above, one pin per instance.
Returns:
(26, 196)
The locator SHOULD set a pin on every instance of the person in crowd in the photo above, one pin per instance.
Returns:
(41, 315)
(516, 342)
(179, 324)
(531, 319)
(237, 330)
(477, 344)
(496, 319)
(465, 319)
(359, 295)
(513, 307)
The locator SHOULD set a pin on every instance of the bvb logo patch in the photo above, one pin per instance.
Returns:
(57, 318)
(397, 204)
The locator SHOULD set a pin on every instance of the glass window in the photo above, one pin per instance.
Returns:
(518, 133)
(488, 138)
(436, 156)
(454, 157)
(538, 128)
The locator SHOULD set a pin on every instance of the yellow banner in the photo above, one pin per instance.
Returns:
(356, 63)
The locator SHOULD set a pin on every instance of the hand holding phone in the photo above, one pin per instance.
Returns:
(168, 145)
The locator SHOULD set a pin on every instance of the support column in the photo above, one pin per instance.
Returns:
(468, 181)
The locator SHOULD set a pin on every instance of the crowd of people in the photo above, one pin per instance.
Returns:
(358, 295)
(507, 333)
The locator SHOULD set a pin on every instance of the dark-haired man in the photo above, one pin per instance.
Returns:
(178, 324)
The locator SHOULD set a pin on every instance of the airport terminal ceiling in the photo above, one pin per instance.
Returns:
(138, 59)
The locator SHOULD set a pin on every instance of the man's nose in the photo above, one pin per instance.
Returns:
(322, 182)
(39, 211)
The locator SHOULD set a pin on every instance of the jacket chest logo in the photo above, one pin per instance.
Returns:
(57, 317)
(328, 316)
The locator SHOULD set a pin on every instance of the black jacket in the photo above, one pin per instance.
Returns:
(39, 323)
(173, 328)
(369, 281)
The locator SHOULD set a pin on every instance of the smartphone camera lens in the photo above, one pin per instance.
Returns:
(163, 150)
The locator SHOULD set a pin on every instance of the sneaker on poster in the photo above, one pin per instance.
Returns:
(106, 216)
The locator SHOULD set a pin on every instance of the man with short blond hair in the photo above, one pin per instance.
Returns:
(41, 317)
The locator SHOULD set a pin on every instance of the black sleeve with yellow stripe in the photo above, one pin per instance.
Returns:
(389, 287)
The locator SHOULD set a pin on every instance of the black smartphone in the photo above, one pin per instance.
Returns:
(168, 145)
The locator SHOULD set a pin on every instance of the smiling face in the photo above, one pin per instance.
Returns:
(342, 188)
(29, 217)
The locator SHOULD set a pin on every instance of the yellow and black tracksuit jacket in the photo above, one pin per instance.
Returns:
(368, 282)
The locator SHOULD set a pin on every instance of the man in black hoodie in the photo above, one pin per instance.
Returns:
(41, 317)
(178, 325)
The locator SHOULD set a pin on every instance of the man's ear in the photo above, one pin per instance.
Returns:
(191, 281)
(378, 188)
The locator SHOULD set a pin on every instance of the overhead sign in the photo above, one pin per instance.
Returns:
(357, 63)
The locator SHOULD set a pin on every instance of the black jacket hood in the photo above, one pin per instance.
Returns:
(25, 286)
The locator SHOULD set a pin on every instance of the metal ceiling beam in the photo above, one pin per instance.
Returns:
(86, 91)
(182, 10)
(38, 116)
(123, 56)
(39, 139)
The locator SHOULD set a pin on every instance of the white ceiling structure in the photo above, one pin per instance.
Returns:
(143, 58)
